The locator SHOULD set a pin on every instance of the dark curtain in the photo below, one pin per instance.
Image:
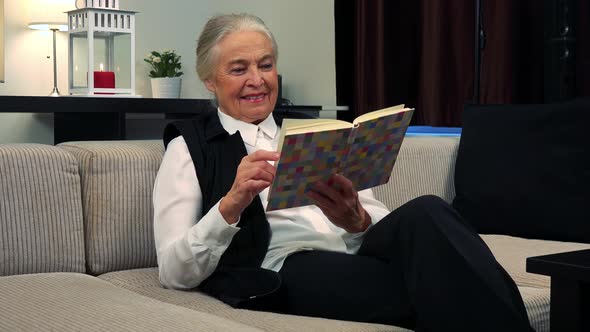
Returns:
(512, 60)
(421, 52)
(377, 54)
(583, 48)
(446, 61)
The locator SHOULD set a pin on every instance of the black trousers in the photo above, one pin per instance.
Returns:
(421, 267)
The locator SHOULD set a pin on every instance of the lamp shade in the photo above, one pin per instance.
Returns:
(46, 26)
(48, 14)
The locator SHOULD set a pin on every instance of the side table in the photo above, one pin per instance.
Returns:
(570, 288)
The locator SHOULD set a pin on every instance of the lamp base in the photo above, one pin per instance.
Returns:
(55, 92)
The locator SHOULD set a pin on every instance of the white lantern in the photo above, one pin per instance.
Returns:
(101, 49)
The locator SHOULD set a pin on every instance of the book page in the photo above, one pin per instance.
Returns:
(299, 126)
(374, 148)
(305, 159)
(379, 113)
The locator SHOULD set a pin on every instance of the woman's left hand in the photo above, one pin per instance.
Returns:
(340, 203)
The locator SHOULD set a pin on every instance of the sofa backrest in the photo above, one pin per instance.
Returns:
(41, 228)
(117, 180)
(425, 165)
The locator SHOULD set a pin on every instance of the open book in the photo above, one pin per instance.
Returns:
(314, 149)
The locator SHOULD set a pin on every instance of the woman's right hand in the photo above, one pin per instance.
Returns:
(254, 174)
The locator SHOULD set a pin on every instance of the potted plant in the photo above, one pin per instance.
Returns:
(165, 73)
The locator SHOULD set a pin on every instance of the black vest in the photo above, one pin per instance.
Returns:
(216, 155)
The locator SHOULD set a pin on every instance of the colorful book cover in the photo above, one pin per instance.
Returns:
(364, 153)
(374, 150)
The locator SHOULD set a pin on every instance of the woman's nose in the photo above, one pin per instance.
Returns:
(255, 78)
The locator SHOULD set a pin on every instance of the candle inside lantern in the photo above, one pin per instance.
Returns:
(104, 79)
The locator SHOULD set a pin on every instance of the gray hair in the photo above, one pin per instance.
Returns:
(216, 29)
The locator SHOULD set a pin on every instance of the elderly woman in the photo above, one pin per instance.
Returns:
(346, 257)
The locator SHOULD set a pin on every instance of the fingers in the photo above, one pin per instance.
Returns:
(323, 202)
(253, 175)
(260, 170)
(336, 189)
(325, 193)
(253, 187)
(262, 155)
(343, 183)
(333, 197)
(338, 200)
(256, 167)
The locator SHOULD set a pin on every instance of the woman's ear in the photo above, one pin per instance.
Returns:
(210, 85)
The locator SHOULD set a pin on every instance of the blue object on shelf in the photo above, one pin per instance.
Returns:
(433, 131)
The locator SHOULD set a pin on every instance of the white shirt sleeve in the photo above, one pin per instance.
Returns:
(188, 244)
(375, 209)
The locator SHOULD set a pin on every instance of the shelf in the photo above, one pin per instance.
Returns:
(83, 118)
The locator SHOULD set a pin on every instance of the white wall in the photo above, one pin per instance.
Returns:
(1, 40)
(304, 30)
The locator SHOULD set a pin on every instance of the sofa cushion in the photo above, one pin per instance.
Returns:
(41, 228)
(117, 181)
(512, 252)
(78, 302)
(425, 166)
(524, 170)
(145, 282)
(537, 302)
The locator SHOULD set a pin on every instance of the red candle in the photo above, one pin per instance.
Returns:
(104, 80)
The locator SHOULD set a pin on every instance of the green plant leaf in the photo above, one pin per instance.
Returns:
(169, 65)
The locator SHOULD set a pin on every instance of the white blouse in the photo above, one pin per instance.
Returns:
(190, 244)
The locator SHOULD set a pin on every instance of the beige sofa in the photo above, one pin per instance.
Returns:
(77, 250)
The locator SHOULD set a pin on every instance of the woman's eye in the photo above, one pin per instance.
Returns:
(238, 70)
(266, 66)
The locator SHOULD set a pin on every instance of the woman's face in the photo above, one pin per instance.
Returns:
(245, 78)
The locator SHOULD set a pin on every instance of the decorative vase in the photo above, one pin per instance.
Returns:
(166, 87)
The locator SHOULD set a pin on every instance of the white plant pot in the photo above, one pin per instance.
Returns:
(166, 87)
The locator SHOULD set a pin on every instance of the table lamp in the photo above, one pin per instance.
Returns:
(54, 27)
